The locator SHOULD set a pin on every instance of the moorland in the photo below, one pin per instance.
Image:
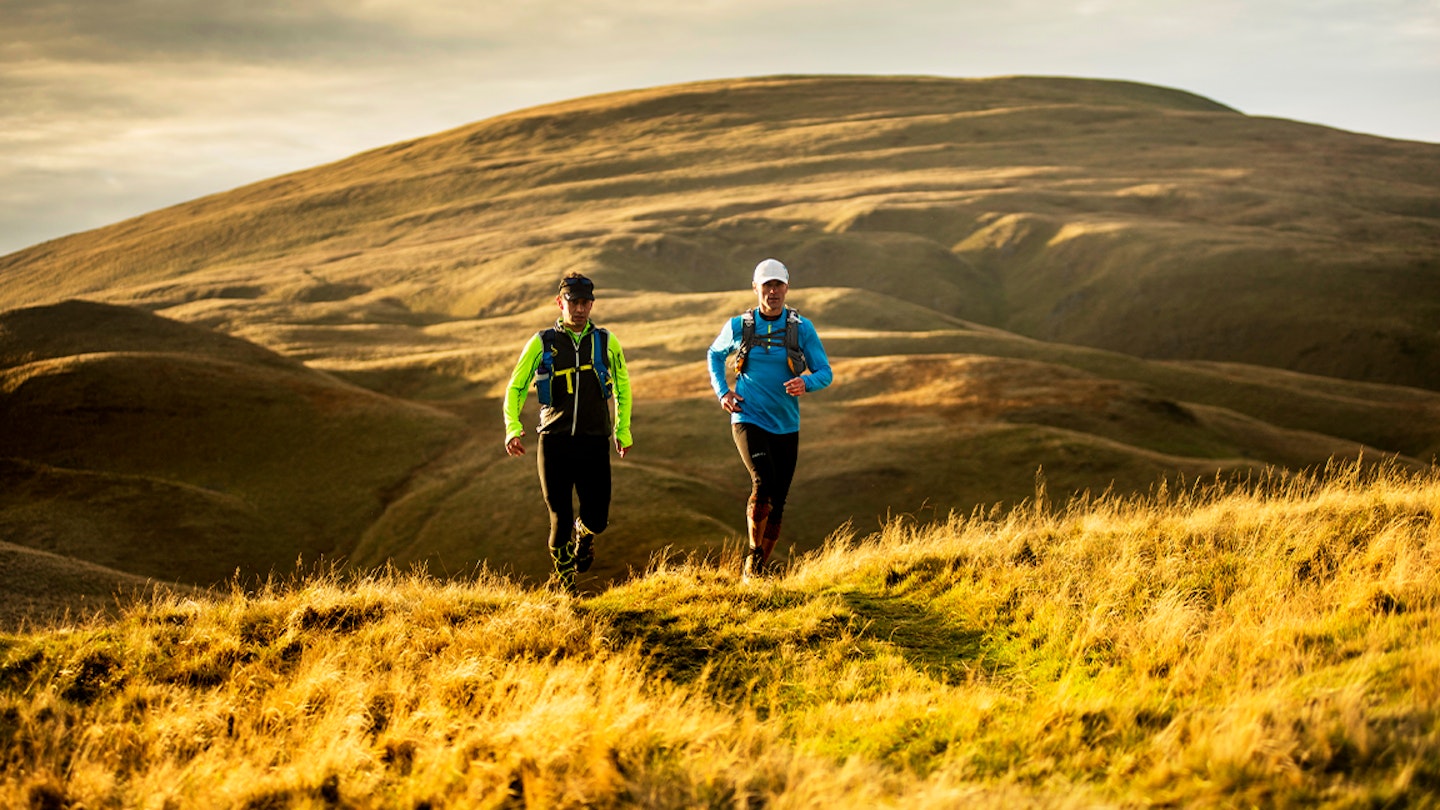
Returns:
(1271, 645)
(1083, 285)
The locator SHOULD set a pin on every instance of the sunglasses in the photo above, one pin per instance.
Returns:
(577, 288)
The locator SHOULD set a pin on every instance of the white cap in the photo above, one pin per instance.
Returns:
(771, 270)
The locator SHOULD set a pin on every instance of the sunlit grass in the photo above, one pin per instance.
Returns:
(1270, 644)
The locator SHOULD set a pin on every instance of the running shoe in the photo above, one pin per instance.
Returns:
(584, 545)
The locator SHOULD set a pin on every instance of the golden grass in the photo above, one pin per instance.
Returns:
(1272, 644)
(1265, 645)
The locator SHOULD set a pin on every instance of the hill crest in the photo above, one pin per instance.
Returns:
(1108, 214)
(77, 327)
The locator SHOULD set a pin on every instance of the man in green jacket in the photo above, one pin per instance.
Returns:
(578, 370)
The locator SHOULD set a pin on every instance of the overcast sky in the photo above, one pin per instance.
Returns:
(111, 108)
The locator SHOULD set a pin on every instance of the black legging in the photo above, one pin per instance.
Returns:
(770, 458)
(581, 464)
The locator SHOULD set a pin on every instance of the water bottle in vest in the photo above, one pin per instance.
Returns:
(543, 376)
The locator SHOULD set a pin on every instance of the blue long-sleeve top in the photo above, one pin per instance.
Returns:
(762, 385)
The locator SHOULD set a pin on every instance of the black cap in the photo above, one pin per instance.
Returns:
(577, 288)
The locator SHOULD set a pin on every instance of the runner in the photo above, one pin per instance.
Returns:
(777, 358)
(577, 368)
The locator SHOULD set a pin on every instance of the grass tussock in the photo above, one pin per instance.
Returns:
(1268, 645)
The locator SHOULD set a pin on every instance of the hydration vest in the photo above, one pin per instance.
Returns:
(546, 372)
(789, 338)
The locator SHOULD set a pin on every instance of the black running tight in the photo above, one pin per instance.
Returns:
(770, 458)
(578, 464)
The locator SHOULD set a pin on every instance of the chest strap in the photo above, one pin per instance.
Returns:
(569, 375)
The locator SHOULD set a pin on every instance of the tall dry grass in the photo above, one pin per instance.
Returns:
(1270, 645)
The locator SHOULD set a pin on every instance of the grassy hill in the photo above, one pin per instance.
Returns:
(174, 452)
(55, 589)
(1106, 282)
(1269, 645)
(1109, 214)
(188, 456)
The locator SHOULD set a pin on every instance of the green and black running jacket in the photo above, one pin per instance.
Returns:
(578, 405)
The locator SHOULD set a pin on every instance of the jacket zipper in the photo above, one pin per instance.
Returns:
(575, 408)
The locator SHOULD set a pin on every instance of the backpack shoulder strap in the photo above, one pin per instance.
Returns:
(747, 340)
(600, 358)
(600, 350)
(793, 352)
(545, 371)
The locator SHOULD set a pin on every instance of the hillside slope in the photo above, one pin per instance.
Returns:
(43, 589)
(181, 454)
(1108, 214)
(1276, 645)
(1022, 282)
(189, 456)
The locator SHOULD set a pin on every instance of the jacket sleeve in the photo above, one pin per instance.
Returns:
(820, 375)
(620, 375)
(519, 386)
(720, 351)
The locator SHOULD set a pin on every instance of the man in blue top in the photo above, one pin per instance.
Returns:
(777, 358)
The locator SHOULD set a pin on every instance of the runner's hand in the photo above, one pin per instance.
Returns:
(731, 402)
(515, 447)
(622, 450)
(795, 386)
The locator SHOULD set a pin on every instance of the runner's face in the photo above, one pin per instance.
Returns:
(575, 314)
(772, 296)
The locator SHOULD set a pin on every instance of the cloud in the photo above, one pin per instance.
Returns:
(111, 31)
(165, 99)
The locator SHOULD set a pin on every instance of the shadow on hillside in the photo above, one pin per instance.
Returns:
(731, 661)
(728, 664)
(928, 640)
